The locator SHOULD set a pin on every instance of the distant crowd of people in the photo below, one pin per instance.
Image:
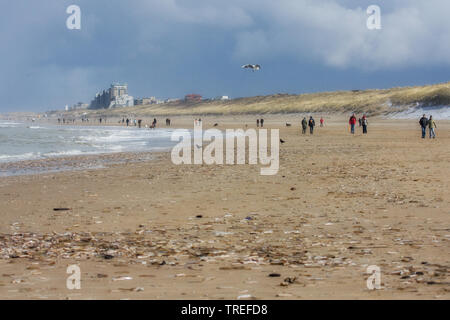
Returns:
(305, 124)
(138, 123)
(65, 121)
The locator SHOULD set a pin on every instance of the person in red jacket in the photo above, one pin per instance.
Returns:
(352, 123)
(321, 122)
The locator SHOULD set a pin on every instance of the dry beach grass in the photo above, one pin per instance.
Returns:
(369, 101)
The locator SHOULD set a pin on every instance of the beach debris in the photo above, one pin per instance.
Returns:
(122, 278)
(274, 275)
(290, 280)
(62, 209)
(283, 295)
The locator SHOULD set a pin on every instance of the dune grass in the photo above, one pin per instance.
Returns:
(373, 102)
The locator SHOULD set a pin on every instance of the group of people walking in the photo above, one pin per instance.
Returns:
(260, 122)
(427, 123)
(362, 123)
(311, 123)
(138, 122)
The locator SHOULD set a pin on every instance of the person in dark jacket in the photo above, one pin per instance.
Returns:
(423, 124)
(304, 125)
(311, 124)
(364, 124)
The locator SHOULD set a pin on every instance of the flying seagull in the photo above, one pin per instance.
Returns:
(251, 66)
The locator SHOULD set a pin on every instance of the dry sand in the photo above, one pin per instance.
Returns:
(338, 204)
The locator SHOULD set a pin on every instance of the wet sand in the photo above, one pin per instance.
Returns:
(153, 230)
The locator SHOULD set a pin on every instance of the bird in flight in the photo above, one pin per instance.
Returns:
(251, 66)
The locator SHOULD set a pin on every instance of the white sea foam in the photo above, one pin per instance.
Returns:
(64, 153)
(19, 157)
(7, 124)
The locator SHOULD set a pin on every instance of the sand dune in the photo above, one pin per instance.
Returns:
(373, 102)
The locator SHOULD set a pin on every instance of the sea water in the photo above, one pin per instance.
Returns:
(30, 141)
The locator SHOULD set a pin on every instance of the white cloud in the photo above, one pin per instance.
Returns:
(414, 33)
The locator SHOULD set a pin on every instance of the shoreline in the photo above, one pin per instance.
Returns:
(59, 164)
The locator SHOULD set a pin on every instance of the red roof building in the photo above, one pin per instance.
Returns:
(193, 98)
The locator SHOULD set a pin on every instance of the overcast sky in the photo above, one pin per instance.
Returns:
(168, 48)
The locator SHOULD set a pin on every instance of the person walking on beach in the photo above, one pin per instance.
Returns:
(321, 121)
(432, 126)
(304, 125)
(128, 122)
(154, 123)
(139, 123)
(364, 124)
(311, 125)
(423, 124)
(352, 122)
(257, 123)
(262, 122)
(360, 121)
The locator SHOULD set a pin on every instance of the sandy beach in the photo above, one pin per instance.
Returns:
(141, 227)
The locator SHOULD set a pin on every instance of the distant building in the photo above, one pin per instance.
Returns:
(223, 98)
(171, 100)
(193, 97)
(142, 101)
(79, 106)
(115, 96)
